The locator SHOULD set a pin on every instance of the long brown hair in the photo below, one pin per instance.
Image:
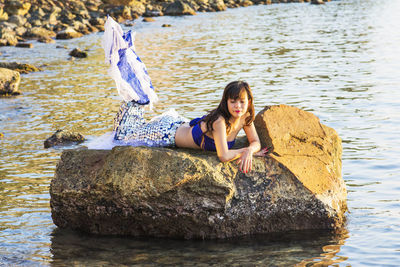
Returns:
(232, 91)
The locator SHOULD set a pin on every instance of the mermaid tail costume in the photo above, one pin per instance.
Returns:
(135, 87)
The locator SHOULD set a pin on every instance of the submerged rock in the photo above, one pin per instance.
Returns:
(9, 82)
(182, 193)
(20, 67)
(24, 45)
(148, 19)
(61, 137)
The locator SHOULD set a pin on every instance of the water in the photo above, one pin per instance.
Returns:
(339, 61)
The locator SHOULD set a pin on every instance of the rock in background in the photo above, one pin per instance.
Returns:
(183, 193)
(43, 20)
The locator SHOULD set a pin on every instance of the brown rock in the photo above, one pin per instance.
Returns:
(15, 7)
(25, 45)
(96, 21)
(153, 11)
(120, 2)
(20, 31)
(78, 53)
(311, 150)
(17, 20)
(3, 15)
(317, 2)
(9, 82)
(61, 137)
(148, 19)
(179, 8)
(184, 193)
(68, 33)
(47, 40)
(39, 32)
(7, 37)
(217, 5)
(20, 67)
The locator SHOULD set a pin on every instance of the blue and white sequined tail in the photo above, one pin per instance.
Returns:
(126, 68)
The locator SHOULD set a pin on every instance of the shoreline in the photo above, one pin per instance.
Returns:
(46, 20)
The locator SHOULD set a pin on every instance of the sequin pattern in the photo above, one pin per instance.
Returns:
(132, 129)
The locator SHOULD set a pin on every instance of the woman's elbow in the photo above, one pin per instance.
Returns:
(223, 158)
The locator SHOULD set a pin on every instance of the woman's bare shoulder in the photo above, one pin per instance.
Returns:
(220, 121)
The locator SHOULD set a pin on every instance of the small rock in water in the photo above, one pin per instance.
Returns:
(129, 24)
(317, 2)
(46, 40)
(20, 67)
(166, 25)
(61, 137)
(25, 45)
(78, 53)
(148, 19)
(1, 135)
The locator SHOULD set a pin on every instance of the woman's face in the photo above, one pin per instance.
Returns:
(238, 107)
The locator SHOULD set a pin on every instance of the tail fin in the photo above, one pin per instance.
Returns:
(126, 68)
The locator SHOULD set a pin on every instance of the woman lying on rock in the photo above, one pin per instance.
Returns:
(215, 131)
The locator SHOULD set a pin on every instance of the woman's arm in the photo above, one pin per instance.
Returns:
(246, 159)
(244, 154)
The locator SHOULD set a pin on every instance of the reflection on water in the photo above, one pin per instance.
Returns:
(339, 61)
(282, 249)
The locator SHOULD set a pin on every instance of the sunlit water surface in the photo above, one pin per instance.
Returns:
(340, 61)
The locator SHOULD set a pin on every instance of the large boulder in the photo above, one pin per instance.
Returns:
(9, 82)
(311, 150)
(184, 193)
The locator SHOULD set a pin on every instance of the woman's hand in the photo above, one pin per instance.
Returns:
(263, 152)
(246, 160)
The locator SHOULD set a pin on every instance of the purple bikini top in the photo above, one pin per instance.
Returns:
(198, 136)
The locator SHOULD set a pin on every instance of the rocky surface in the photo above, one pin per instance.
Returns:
(9, 82)
(308, 148)
(43, 20)
(62, 137)
(20, 67)
(182, 193)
